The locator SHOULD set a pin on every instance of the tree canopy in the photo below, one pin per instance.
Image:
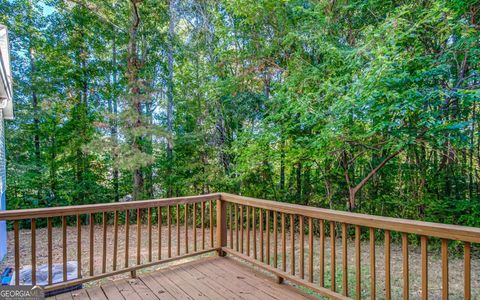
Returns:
(370, 106)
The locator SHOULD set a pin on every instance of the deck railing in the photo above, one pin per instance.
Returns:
(187, 214)
(275, 254)
(278, 237)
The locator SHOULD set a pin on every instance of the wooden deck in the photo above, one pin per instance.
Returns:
(205, 278)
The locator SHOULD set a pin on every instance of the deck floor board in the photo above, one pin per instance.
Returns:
(205, 278)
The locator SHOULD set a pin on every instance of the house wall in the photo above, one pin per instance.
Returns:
(3, 204)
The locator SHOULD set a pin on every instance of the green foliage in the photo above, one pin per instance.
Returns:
(296, 101)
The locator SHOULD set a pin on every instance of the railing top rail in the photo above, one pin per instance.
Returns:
(447, 231)
(21, 214)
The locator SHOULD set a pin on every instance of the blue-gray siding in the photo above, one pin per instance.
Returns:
(3, 229)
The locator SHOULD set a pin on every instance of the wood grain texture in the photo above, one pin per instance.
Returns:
(452, 232)
(92, 241)
(321, 224)
(267, 236)
(17, 251)
(284, 245)
(388, 284)
(159, 232)
(149, 232)
(64, 248)
(49, 250)
(302, 246)
(21, 214)
(248, 230)
(33, 237)
(332, 258)
(185, 225)
(444, 269)
(275, 239)
(139, 236)
(467, 271)
(424, 255)
(115, 240)
(211, 224)
(372, 265)
(241, 228)
(127, 236)
(169, 226)
(406, 281)
(260, 228)
(292, 245)
(344, 260)
(104, 242)
(310, 249)
(358, 270)
(194, 221)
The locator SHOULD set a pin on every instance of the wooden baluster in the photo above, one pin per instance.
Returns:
(260, 224)
(221, 226)
(211, 224)
(178, 229)
(127, 236)
(195, 227)
(104, 248)
(186, 227)
(302, 247)
(169, 225)
(159, 226)
(275, 240)
(241, 229)
(344, 260)
(358, 271)
(332, 257)
(292, 245)
(236, 227)
(17, 251)
(50, 252)
(92, 236)
(202, 217)
(444, 269)
(149, 224)
(64, 247)
(231, 224)
(310, 249)
(284, 245)
(248, 230)
(267, 237)
(372, 264)
(388, 292)
(424, 251)
(34, 252)
(322, 252)
(405, 266)
(467, 285)
(254, 227)
(115, 240)
(139, 235)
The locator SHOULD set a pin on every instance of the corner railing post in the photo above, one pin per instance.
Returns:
(221, 225)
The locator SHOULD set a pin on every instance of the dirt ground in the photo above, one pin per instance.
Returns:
(434, 263)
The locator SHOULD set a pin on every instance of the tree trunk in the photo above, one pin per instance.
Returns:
(171, 32)
(134, 87)
(282, 167)
(352, 191)
(36, 121)
(113, 121)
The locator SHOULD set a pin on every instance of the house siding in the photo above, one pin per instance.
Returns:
(3, 184)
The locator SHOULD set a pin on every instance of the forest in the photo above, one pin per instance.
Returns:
(368, 106)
